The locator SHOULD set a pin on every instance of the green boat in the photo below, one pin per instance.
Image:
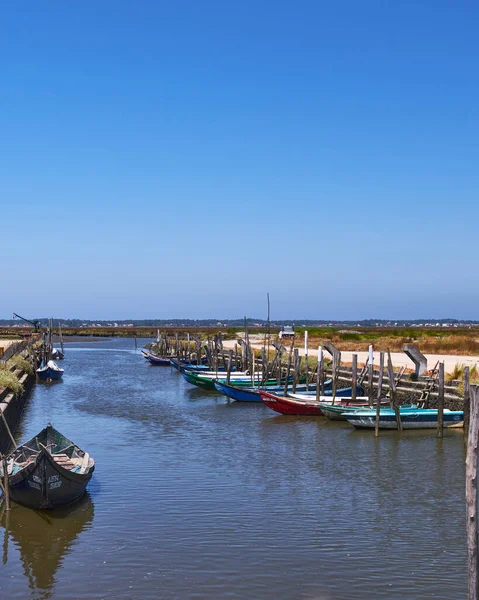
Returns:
(208, 383)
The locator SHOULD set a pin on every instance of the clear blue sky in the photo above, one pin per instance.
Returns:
(182, 158)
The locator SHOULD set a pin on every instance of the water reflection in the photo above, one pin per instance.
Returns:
(44, 539)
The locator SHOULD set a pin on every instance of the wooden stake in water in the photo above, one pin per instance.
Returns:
(354, 377)
(319, 373)
(380, 391)
(467, 404)
(306, 358)
(297, 368)
(288, 371)
(228, 372)
(392, 387)
(471, 496)
(370, 377)
(440, 401)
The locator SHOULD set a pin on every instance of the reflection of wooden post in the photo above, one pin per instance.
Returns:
(380, 391)
(440, 402)
(467, 404)
(354, 377)
(6, 489)
(471, 496)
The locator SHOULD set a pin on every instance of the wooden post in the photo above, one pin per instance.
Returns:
(333, 376)
(392, 387)
(278, 376)
(228, 372)
(319, 373)
(288, 371)
(380, 391)
(354, 377)
(236, 355)
(297, 367)
(440, 401)
(467, 404)
(471, 496)
(306, 358)
(370, 375)
(337, 360)
(5, 483)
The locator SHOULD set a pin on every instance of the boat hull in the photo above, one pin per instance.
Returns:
(161, 361)
(49, 374)
(46, 485)
(410, 419)
(247, 394)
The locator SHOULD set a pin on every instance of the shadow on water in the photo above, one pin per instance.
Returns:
(44, 539)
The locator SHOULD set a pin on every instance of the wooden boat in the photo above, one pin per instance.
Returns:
(335, 412)
(290, 406)
(208, 383)
(186, 365)
(57, 354)
(341, 393)
(50, 371)
(309, 407)
(145, 353)
(251, 394)
(163, 361)
(411, 418)
(48, 471)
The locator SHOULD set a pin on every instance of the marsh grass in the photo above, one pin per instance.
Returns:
(9, 381)
(21, 363)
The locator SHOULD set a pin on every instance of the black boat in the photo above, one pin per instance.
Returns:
(48, 471)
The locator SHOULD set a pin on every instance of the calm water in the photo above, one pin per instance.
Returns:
(195, 497)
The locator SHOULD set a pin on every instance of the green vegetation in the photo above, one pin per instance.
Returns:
(21, 363)
(8, 380)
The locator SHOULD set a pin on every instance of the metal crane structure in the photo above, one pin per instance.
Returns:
(36, 324)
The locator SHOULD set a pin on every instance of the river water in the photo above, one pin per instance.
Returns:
(195, 497)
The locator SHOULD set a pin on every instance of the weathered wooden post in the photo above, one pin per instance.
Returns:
(471, 496)
(236, 355)
(392, 387)
(380, 391)
(440, 401)
(264, 374)
(319, 373)
(228, 372)
(354, 377)
(306, 358)
(297, 367)
(370, 375)
(467, 404)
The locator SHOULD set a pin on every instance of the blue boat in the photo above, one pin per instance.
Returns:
(251, 394)
(194, 368)
(50, 371)
(411, 418)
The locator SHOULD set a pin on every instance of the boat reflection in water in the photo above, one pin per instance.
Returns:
(44, 538)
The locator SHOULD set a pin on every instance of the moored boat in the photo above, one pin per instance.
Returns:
(411, 418)
(335, 412)
(163, 361)
(48, 471)
(251, 394)
(208, 383)
(341, 393)
(50, 371)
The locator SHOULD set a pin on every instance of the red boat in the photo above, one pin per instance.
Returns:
(290, 406)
